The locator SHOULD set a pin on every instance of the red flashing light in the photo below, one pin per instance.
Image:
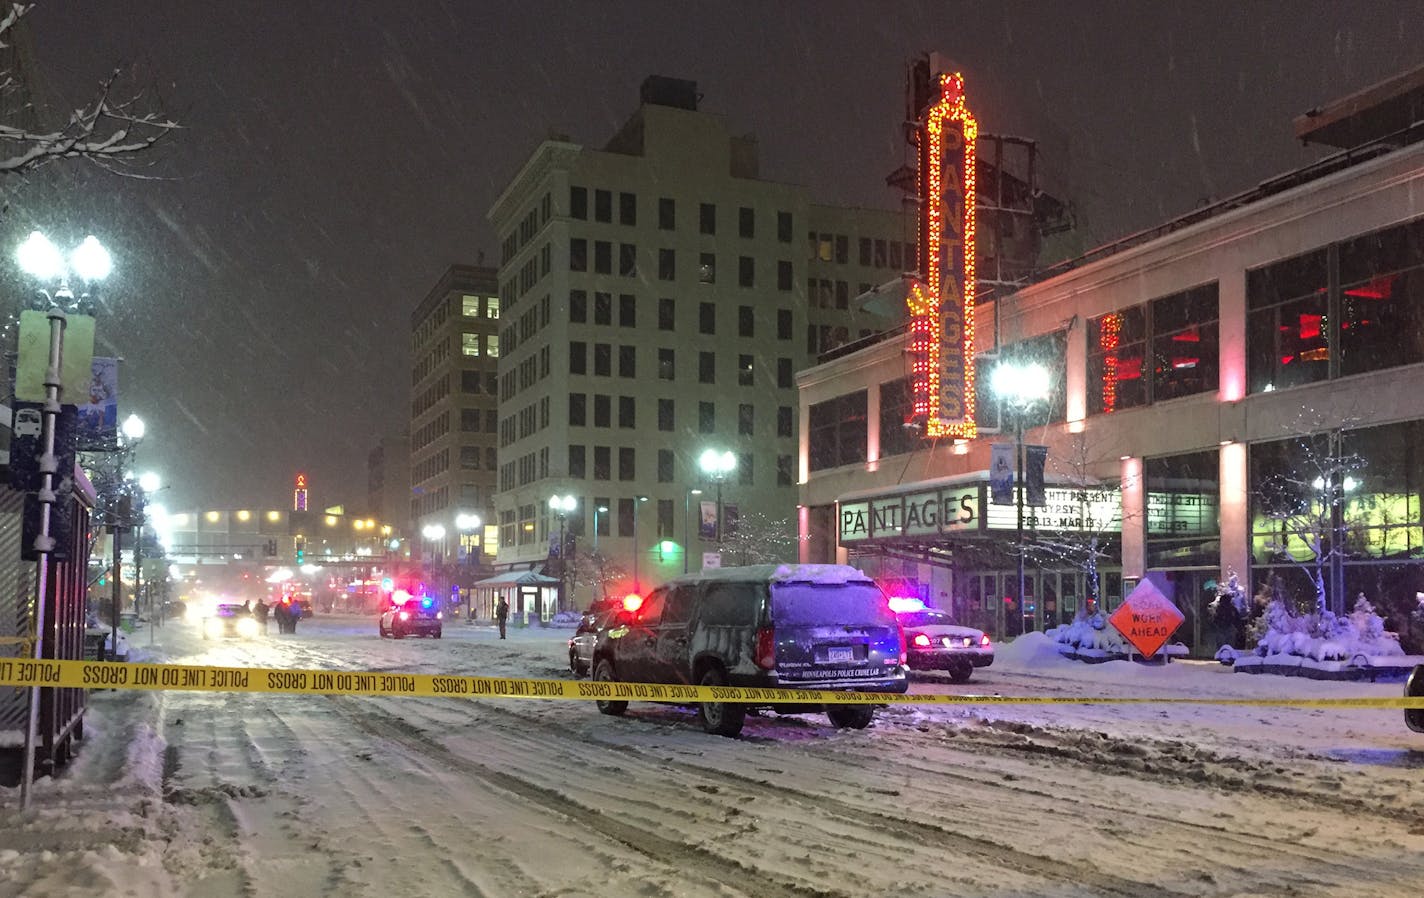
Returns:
(766, 648)
(632, 602)
(400, 597)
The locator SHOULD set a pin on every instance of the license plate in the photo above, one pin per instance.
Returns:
(840, 654)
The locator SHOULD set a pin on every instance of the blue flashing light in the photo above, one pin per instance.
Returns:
(425, 602)
(388, 585)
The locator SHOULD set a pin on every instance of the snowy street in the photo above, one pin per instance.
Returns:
(215, 795)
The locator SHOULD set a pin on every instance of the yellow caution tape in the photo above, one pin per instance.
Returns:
(186, 677)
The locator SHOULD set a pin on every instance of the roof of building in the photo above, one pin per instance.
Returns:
(1377, 112)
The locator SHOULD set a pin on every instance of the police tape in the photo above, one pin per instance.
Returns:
(195, 678)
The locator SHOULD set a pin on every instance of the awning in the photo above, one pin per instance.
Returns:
(516, 578)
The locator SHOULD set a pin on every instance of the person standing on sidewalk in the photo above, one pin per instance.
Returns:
(501, 614)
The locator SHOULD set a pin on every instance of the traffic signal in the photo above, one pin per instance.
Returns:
(301, 544)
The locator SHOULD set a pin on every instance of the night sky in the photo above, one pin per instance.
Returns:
(338, 155)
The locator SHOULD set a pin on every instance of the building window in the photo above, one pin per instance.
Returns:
(707, 318)
(626, 509)
(783, 324)
(746, 372)
(746, 419)
(746, 321)
(492, 307)
(470, 458)
(707, 218)
(578, 254)
(667, 264)
(1049, 350)
(578, 357)
(578, 203)
(603, 308)
(577, 462)
(627, 412)
(665, 466)
(882, 255)
(785, 470)
(785, 421)
(707, 367)
(665, 415)
(667, 214)
(842, 295)
(896, 407)
(627, 361)
(665, 519)
(865, 252)
(746, 462)
(667, 314)
(746, 222)
(842, 249)
(784, 275)
(1160, 350)
(602, 257)
(471, 382)
(470, 306)
(603, 359)
(784, 228)
(1182, 525)
(602, 410)
(785, 378)
(470, 344)
(628, 208)
(627, 260)
(578, 306)
(707, 268)
(706, 417)
(603, 206)
(602, 463)
(837, 431)
(601, 524)
(470, 420)
(626, 468)
(746, 271)
(491, 459)
(667, 364)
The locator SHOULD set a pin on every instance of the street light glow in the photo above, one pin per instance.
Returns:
(39, 257)
(1021, 383)
(563, 504)
(467, 522)
(134, 427)
(433, 531)
(91, 261)
(149, 482)
(718, 464)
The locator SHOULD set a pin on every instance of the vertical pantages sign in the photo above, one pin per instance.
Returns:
(941, 297)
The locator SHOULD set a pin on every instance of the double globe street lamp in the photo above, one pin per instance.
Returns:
(718, 465)
(561, 506)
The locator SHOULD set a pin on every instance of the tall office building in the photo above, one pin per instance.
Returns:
(658, 299)
(453, 417)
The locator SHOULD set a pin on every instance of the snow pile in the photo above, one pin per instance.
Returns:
(565, 619)
(1092, 633)
(1029, 650)
(1322, 636)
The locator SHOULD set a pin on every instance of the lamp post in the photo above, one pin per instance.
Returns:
(597, 510)
(41, 259)
(718, 465)
(687, 534)
(148, 483)
(637, 584)
(561, 506)
(1020, 385)
(467, 524)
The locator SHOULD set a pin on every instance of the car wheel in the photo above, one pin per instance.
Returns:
(720, 718)
(384, 634)
(573, 661)
(396, 634)
(1414, 688)
(604, 673)
(850, 717)
(960, 673)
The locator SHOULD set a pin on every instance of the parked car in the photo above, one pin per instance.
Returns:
(933, 641)
(411, 616)
(813, 626)
(1414, 688)
(596, 619)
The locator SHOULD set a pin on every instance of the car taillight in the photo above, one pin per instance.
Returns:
(984, 641)
(921, 639)
(766, 648)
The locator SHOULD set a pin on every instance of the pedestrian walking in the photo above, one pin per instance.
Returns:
(283, 613)
(296, 614)
(260, 612)
(501, 614)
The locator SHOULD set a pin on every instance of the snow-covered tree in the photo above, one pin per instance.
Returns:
(593, 571)
(759, 538)
(108, 129)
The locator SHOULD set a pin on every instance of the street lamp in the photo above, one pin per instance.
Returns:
(637, 584)
(467, 524)
(561, 506)
(718, 465)
(134, 428)
(41, 259)
(687, 534)
(1020, 386)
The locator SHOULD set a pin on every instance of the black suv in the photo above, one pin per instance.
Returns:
(813, 626)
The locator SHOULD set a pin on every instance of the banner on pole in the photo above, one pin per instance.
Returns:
(708, 527)
(1001, 474)
(1034, 459)
(99, 407)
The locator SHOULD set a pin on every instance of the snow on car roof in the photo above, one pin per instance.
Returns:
(824, 574)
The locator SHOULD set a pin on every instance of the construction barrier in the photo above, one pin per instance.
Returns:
(184, 677)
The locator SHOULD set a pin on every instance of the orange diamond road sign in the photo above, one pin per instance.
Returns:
(1147, 619)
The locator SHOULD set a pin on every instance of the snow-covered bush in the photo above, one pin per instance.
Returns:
(1323, 636)
(1090, 632)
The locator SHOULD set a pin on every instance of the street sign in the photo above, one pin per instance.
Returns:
(711, 560)
(1147, 619)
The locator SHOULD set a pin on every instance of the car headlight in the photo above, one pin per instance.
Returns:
(405, 615)
(247, 627)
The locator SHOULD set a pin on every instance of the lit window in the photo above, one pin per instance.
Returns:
(492, 307)
(470, 344)
(492, 346)
(470, 306)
